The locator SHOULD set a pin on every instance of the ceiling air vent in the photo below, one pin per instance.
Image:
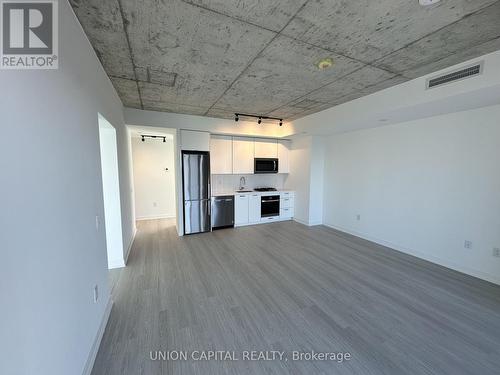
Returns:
(461, 74)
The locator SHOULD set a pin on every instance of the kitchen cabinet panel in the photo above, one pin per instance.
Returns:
(254, 208)
(266, 148)
(195, 140)
(243, 155)
(283, 156)
(287, 206)
(221, 154)
(241, 209)
(286, 213)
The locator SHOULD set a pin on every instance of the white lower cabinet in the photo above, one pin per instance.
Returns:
(269, 219)
(286, 213)
(247, 208)
(241, 209)
(287, 205)
(254, 208)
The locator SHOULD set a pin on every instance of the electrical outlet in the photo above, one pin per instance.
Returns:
(358, 217)
(496, 252)
(468, 244)
(97, 222)
(96, 293)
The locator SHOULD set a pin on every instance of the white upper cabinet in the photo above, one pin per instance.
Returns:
(195, 140)
(243, 155)
(283, 156)
(221, 154)
(266, 148)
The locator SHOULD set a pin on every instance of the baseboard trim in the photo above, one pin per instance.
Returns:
(437, 260)
(117, 263)
(155, 217)
(130, 245)
(97, 341)
(309, 224)
(314, 223)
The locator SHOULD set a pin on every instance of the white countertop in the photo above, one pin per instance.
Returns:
(232, 192)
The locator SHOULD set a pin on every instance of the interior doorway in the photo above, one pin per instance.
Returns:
(111, 193)
(154, 166)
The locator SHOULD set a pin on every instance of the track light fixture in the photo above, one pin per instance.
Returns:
(144, 136)
(260, 118)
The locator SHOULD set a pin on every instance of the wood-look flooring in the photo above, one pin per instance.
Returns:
(284, 286)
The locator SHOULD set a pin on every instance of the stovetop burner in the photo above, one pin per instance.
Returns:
(265, 189)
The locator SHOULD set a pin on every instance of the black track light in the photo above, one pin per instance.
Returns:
(164, 139)
(142, 138)
(260, 118)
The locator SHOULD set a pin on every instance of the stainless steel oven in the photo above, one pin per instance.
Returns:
(265, 165)
(269, 205)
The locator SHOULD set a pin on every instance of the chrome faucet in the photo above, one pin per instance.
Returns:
(243, 182)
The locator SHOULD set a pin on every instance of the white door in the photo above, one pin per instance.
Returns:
(283, 156)
(266, 148)
(254, 208)
(241, 209)
(221, 154)
(243, 155)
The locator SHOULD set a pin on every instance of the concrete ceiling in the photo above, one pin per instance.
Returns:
(217, 57)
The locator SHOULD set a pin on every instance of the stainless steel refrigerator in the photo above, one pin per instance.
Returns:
(196, 191)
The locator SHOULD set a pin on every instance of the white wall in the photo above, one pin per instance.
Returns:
(422, 187)
(299, 178)
(316, 180)
(307, 155)
(52, 255)
(154, 186)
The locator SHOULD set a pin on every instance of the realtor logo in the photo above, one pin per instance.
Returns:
(29, 34)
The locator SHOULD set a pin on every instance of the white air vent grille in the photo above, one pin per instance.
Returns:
(461, 74)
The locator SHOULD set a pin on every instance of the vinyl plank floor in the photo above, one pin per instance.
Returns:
(284, 286)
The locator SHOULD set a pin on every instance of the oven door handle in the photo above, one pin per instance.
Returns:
(268, 201)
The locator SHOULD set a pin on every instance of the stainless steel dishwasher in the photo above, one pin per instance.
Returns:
(223, 212)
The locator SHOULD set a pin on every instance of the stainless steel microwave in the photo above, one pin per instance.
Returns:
(266, 165)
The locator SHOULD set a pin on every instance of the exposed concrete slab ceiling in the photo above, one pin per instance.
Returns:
(217, 57)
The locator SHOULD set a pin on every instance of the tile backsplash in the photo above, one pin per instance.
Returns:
(230, 182)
